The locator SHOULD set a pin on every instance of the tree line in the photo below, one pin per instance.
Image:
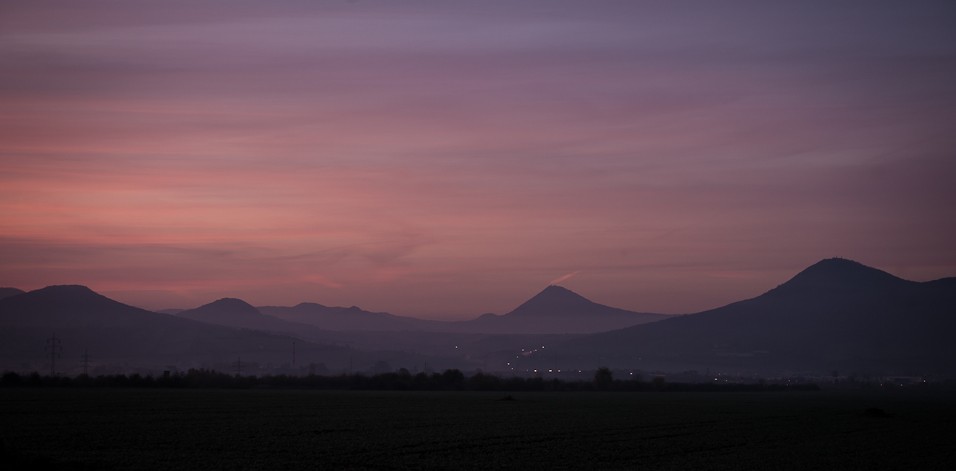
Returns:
(402, 380)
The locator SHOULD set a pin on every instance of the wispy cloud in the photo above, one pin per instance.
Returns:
(446, 157)
(563, 278)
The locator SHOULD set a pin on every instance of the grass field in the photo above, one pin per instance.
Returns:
(267, 429)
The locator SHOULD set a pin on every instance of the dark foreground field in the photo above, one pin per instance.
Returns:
(248, 429)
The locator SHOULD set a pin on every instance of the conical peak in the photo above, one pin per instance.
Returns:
(840, 273)
(68, 294)
(844, 268)
(556, 290)
(66, 289)
(557, 294)
(554, 300)
(837, 263)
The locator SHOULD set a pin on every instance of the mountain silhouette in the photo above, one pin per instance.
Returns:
(555, 310)
(228, 311)
(115, 332)
(7, 292)
(835, 315)
(558, 310)
(349, 318)
(234, 312)
(831, 276)
(66, 306)
(354, 327)
(558, 301)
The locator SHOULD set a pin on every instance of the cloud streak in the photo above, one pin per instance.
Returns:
(563, 278)
(444, 158)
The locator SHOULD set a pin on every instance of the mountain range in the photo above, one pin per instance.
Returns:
(349, 318)
(128, 337)
(836, 315)
(555, 310)
(234, 312)
(553, 313)
(558, 310)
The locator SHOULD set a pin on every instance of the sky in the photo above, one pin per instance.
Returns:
(443, 159)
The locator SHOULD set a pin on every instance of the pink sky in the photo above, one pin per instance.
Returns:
(445, 159)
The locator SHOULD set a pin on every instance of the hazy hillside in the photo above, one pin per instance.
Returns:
(835, 315)
(238, 313)
(7, 292)
(558, 310)
(349, 318)
(114, 332)
(555, 310)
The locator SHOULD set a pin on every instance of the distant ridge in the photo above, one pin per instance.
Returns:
(235, 312)
(558, 310)
(7, 292)
(839, 274)
(835, 315)
(349, 318)
(555, 310)
(226, 311)
(556, 301)
(113, 331)
(52, 303)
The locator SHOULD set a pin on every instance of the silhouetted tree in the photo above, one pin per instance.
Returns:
(398, 381)
(10, 379)
(603, 379)
(452, 379)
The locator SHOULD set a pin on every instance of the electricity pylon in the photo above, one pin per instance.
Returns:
(55, 348)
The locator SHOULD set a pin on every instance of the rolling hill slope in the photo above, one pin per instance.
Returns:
(114, 332)
(835, 315)
(555, 310)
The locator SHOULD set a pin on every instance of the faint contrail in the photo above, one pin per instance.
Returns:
(564, 278)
